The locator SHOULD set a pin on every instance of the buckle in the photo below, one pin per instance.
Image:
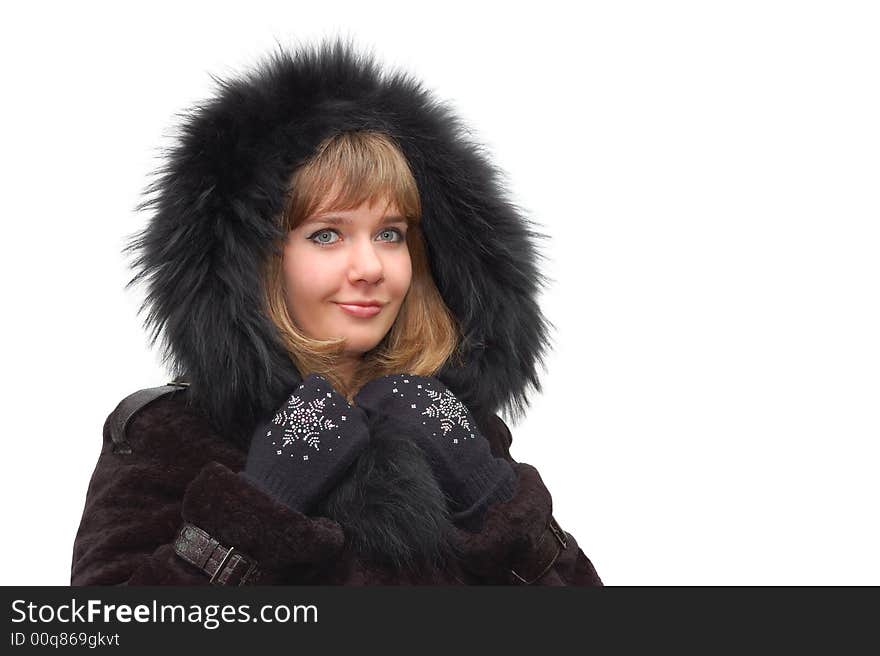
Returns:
(558, 533)
(198, 548)
(223, 563)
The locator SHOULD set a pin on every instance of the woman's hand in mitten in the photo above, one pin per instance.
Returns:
(444, 428)
(301, 453)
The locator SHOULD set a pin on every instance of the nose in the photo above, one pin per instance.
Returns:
(365, 263)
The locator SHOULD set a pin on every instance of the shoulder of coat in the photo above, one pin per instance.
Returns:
(500, 434)
(131, 405)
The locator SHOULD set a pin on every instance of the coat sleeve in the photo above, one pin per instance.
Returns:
(141, 502)
(520, 542)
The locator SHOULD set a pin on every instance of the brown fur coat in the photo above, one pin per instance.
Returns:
(172, 468)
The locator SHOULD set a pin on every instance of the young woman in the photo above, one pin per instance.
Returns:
(348, 302)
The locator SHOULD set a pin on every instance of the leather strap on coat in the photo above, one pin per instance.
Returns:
(528, 569)
(225, 565)
(131, 405)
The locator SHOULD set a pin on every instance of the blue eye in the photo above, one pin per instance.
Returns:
(400, 235)
(321, 232)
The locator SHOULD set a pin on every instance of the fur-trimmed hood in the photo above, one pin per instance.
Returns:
(223, 182)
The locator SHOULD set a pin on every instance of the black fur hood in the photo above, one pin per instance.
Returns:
(211, 227)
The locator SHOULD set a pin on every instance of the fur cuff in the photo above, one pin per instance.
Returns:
(512, 529)
(238, 514)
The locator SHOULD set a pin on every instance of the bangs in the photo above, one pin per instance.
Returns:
(349, 169)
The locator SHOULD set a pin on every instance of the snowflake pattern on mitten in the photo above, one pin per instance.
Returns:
(304, 422)
(446, 413)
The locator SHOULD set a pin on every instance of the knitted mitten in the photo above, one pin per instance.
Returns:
(301, 453)
(460, 457)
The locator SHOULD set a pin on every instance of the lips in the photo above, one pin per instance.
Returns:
(360, 310)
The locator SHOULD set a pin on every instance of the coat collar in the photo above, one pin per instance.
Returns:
(391, 508)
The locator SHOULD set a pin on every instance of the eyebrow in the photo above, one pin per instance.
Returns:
(337, 220)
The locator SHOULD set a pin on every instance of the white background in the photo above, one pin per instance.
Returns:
(708, 173)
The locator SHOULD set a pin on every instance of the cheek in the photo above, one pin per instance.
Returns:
(303, 280)
(400, 276)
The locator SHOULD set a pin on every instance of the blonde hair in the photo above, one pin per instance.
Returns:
(362, 166)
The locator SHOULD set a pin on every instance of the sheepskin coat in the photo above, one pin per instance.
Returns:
(170, 455)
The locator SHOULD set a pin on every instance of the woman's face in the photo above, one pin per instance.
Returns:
(346, 257)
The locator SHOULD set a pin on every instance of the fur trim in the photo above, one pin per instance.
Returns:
(391, 507)
(214, 204)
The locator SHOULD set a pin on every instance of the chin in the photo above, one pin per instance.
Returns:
(359, 350)
(359, 345)
(357, 341)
